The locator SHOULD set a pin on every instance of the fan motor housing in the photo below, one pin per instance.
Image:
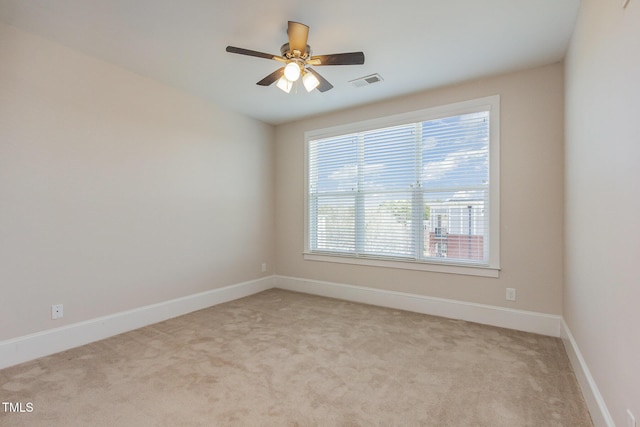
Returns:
(286, 52)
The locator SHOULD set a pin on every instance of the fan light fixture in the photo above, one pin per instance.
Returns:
(291, 74)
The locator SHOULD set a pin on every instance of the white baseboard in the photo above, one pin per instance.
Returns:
(528, 321)
(29, 347)
(597, 408)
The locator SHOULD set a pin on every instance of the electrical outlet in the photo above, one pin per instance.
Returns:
(631, 420)
(511, 294)
(56, 311)
(264, 267)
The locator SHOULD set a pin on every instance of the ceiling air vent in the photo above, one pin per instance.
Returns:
(367, 80)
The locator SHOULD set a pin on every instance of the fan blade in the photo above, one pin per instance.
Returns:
(298, 34)
(271, 77)
(241, 51)
(324, 84)
(351, 58)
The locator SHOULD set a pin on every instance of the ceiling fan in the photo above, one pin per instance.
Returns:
(296, 57)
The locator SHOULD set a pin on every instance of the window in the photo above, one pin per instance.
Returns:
(416, 191)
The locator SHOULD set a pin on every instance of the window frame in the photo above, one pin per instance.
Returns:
(492, 268)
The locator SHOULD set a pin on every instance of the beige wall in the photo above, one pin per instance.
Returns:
(118, 192)
(602, 285)
(531, 197)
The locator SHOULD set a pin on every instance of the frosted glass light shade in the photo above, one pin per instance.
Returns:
(310, 81)
(292, 71)
(284, 84)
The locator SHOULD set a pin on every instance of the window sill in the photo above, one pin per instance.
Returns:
(469, 270)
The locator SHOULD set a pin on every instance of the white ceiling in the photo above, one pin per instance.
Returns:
(413, 44)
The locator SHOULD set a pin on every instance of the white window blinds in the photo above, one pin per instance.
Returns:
(417, 191)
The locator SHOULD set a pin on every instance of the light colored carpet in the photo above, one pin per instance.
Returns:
(287, 359)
